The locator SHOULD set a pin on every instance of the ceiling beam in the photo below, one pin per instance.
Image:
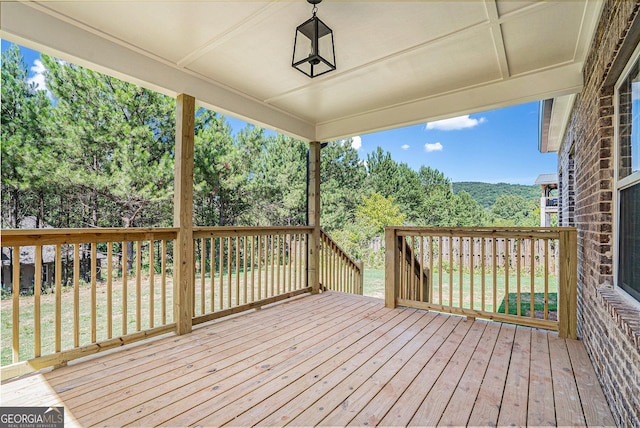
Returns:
(503, 93)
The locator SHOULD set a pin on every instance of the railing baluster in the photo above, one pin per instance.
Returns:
(440, 271)
(139, 285)
(472, 269)
(244, 268)
(37, 334)
(237, 252)
(461, 273)
(152, 274)
(430, 296)
(482, 271)
(532, 291)
(494, 256)
(94, 300)
(109, 290)
(506, 275)
(212, 274)
(278, 264)
(76, 295)
(518, 275)
(273, 273)
(229, 264)
(450, 271)
(221, 272)
(259, 267)
(546, 279)
(125, 269)
(58, 310)
(15, 314)
(203, 271)
(164, 281)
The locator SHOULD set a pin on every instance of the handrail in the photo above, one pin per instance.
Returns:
(339, 271)
(486, 272)
(127, 295)
(95, 289)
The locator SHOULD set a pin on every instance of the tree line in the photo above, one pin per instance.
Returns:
(94, 151)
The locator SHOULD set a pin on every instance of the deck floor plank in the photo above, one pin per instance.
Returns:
(359, 398)
(487, 405)
(460, 406)
(212, 350)
(565, 392)
(513, 409)
(340, 372)
(287, 368)
(349, 377)
(594, 403)
(330, 359)
(541, 409)
(390, 393)
(434, 404)
(210, 377)
(405, 408)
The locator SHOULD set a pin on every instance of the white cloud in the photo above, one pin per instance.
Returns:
(455, 123)
(38, 75)
(405, 147)
(433, 147)
(356, 142)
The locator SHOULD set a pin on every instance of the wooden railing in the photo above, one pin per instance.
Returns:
(338, 271)
(75, 292)
(242, 268)
(522, 276)
(87, 290)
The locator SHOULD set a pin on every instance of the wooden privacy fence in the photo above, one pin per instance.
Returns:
(505, 274)
(338, 271)
(131, 300)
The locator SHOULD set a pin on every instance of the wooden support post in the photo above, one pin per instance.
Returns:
(391, 267)
(568, 285)
(313, 195)
(182, 216)
(360, 278)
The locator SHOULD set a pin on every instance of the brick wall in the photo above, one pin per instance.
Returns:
(606, 322)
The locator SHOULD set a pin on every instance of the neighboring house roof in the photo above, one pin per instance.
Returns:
(547, 179)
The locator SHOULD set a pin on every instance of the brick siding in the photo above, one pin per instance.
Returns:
(608, 323)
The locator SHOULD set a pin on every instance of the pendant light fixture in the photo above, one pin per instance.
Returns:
(313, 51)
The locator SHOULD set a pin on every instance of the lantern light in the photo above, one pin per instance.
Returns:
(313, 51)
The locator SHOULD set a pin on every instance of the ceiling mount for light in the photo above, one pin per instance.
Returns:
(313, 51)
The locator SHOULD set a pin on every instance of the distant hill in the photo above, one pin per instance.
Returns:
(487, 193)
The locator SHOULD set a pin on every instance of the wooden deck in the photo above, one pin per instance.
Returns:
(330, 359)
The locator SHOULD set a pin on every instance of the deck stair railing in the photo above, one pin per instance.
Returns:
(96, 289)
(522, 276)
(338, 271)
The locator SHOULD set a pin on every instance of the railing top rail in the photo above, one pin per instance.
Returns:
(326, 236)
(495, 232)
(17, 237)
(201, 232)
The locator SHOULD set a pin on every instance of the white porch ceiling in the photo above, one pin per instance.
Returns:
(398, 63)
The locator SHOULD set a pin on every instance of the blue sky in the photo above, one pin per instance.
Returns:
(493, 146)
